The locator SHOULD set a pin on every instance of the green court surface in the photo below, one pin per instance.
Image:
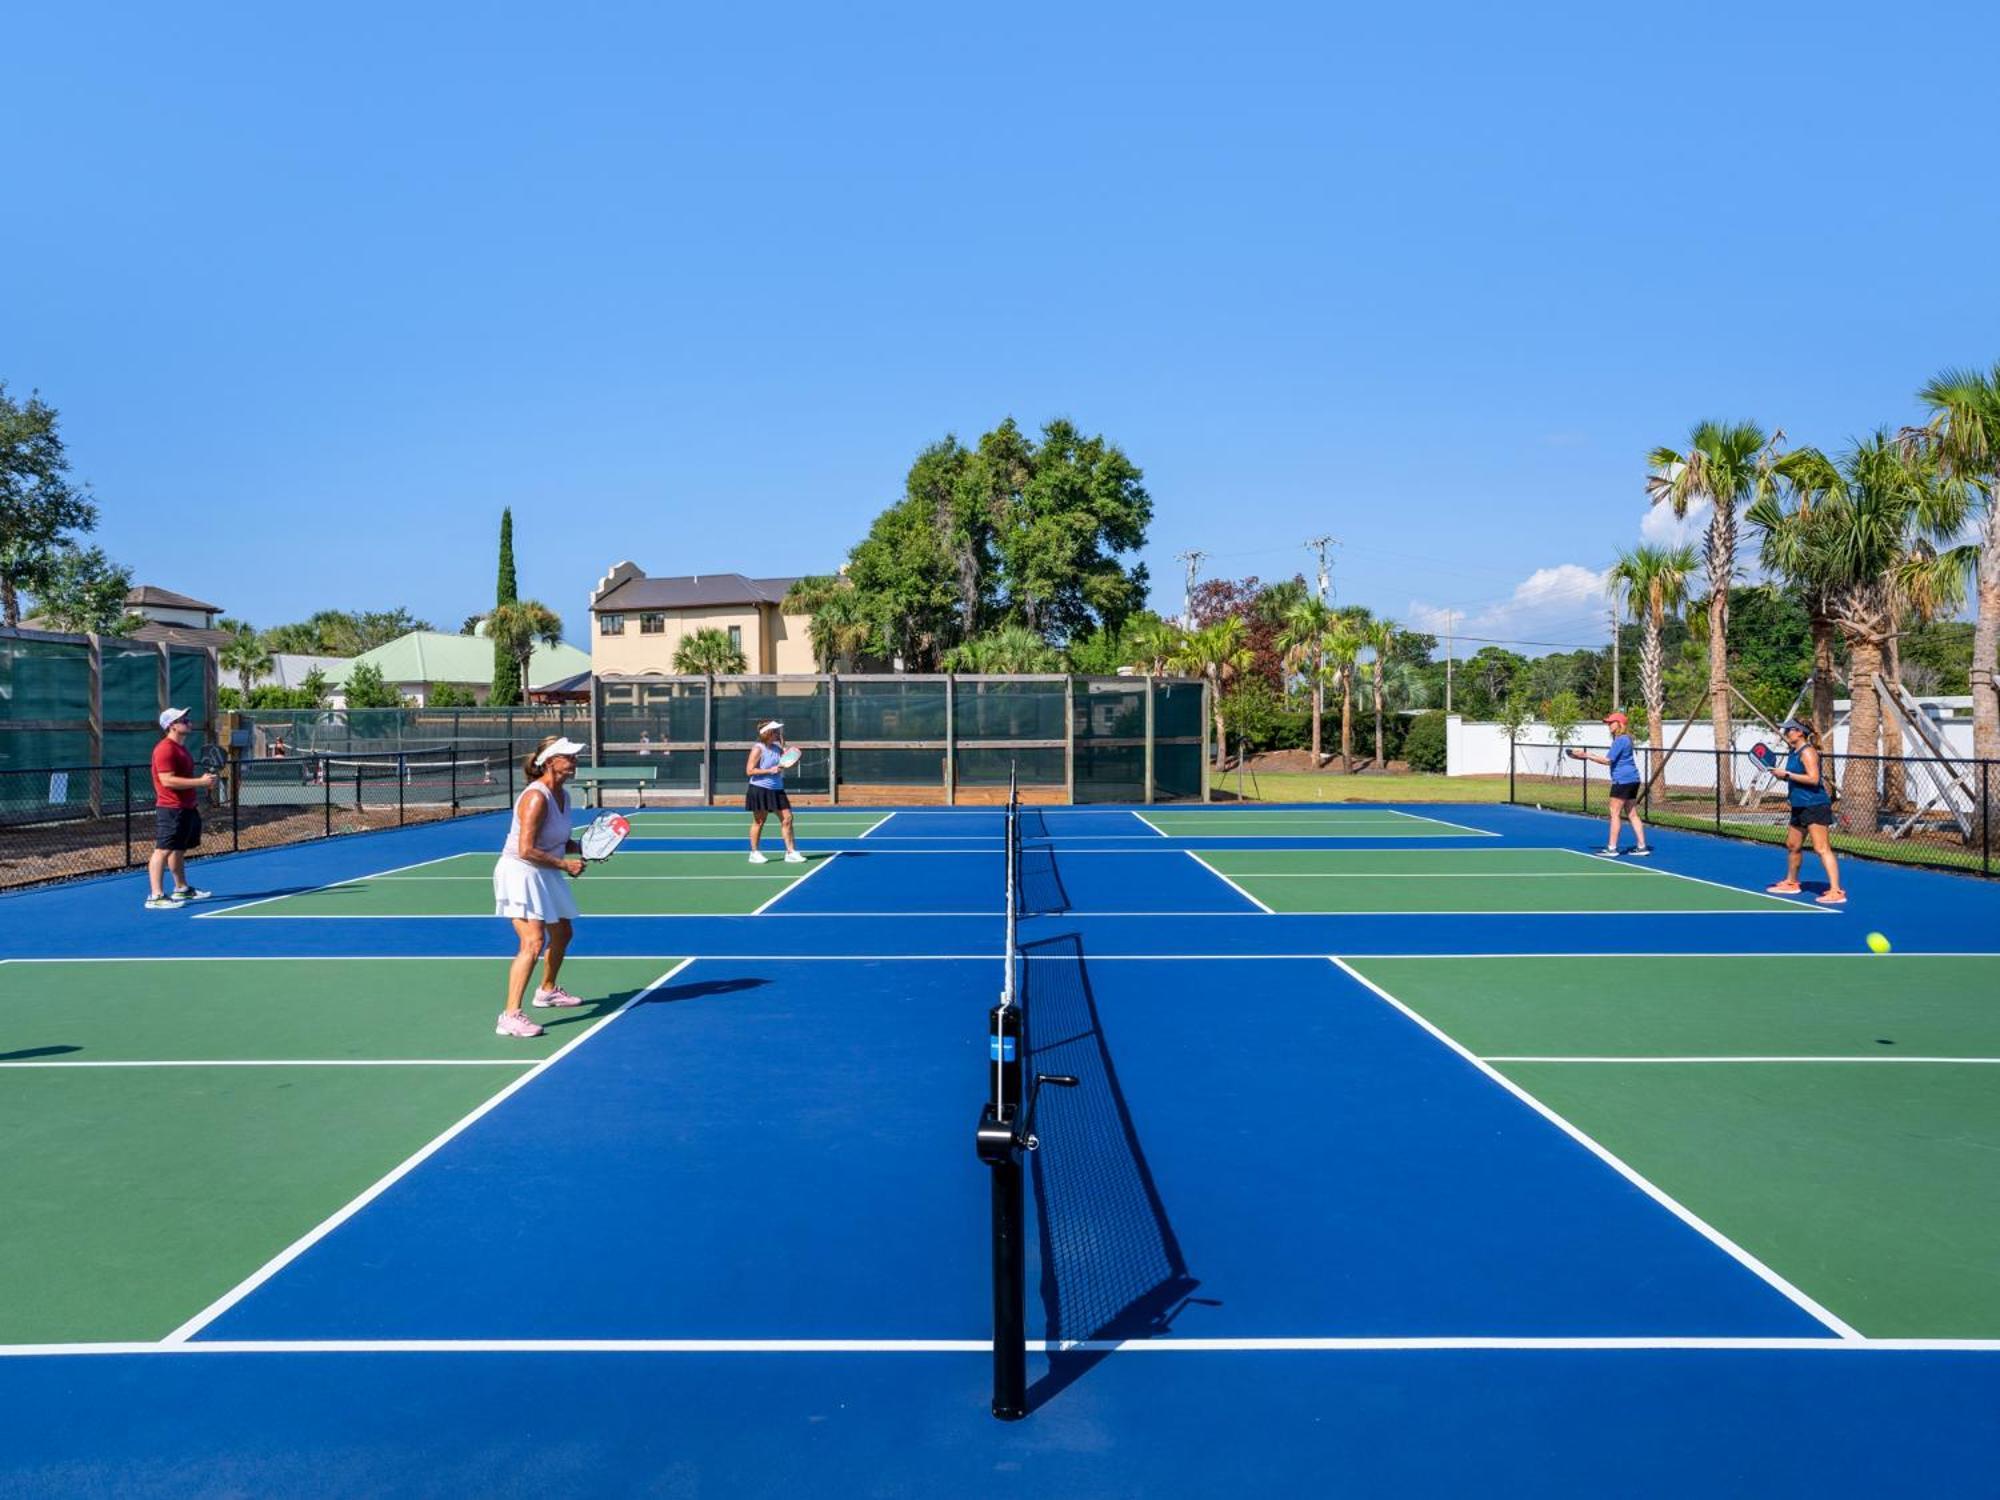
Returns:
(637, 882)
(1833, 1115)
(1302, 823)
(171, 1126)
(728, 823)
(1494, 880)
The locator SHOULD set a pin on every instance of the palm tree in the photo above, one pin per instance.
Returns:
(1380, 637)
(1303, 629)
(1343, 644)
(1009, 649)
(245, 654)
(1806, 477)
(1653, 583)
(1964, 432)
(1217, 652)
(709, 653)
(1152, 643)
(1869, 545)
(518, 626)
(1727, 464)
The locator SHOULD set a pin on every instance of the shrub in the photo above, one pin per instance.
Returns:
(1424, 746)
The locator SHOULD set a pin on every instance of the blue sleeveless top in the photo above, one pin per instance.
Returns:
(767, 760)
(1798, 793)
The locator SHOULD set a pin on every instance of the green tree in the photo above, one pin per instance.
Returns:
(1303, 631)
(708, 653)
(339, 632)
(1009, 649)
(517, 628)
(1425, 747)
(1219, 653)
(1653, 584)
(366, 689)
(1964, 433)
(1379, 636)
(509, 666)
(312, 689)
(40, 509)
(1727, 465)
(245, 654)
(1081, 507)
(82, 590)
(451, 695)
(840, 628)
(1150, 643)
(1564, 714)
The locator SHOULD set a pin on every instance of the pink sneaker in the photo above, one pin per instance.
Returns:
(557, 997)
(513, 1023)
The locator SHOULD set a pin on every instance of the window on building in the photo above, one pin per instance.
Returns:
(610, 624)
(736, 638)
(652, 624)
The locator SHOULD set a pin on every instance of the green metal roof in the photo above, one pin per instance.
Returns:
(433, 656)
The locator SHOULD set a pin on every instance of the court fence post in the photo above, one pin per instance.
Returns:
(402, 784)
(128, 816)
(1586, 784)
(236, 808)
(326, 791)
(1717, 771)
(1513, 751)
(1985, 818)
(452, 756)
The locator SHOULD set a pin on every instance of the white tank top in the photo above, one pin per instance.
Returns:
(555, 829)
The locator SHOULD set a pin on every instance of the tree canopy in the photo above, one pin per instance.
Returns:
(42, 513)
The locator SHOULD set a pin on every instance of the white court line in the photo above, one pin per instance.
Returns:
(1740, 890)
(1148, 822)
(597, 878)
(1351, 874)
(1866, 1057)
(1065, 916)
(396, 1174)
(794, 885)
(1639, 1343)
(289, 1062)
(1191, 854)
(1687, 1216)
(216, 911)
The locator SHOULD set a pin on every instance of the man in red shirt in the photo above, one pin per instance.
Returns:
(176, 812)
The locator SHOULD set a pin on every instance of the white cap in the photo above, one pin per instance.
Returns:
(768, 725)
(560, 747)
(172, 717)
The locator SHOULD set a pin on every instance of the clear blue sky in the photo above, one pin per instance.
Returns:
(329, 287)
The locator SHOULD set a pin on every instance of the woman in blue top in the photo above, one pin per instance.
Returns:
(1624, 782)
(767, 792)
(1804, 776)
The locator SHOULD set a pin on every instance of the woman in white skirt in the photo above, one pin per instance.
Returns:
(531, 881)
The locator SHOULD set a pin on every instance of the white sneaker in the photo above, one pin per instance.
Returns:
(757, 857)
(162, 903)
(795, 858)
(190, 893)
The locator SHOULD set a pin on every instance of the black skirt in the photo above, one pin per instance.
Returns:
(766, 799)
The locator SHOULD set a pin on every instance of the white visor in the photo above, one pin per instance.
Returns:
(768, 725)
(560, 747)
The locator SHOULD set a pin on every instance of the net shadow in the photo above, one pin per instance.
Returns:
(1112, 1266)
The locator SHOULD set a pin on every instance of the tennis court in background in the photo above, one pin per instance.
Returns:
(1415, 1148)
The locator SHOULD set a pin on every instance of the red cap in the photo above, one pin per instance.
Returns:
(1616, 716)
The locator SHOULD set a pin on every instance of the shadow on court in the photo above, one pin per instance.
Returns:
(674, 994)
(1112, 1266)
(31, 1052)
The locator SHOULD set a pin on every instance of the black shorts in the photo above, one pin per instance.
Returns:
(1625, 791)
(1807, 817)
(766, 799)
(176, 827)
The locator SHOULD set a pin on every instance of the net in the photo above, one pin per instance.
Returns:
(409, 778)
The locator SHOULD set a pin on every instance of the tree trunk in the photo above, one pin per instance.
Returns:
(1319, 707)
(1823, 675)
(10, 607)
(1221, 729)
(1895, 796)
(1347, 717)
(1860, 799)
(1381, 752)
(1721, 564)
(1652, 683)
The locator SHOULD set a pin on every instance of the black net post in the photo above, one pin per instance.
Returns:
(326, 791)
(1586, 784)
(999, 1147)
(453, 758)
(402, 785)
(1718, 789)
(236, 805)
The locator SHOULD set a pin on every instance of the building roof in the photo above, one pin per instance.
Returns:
(433, 656)
(146, 594)
(695, 591)
(289, 669)
(180, 635)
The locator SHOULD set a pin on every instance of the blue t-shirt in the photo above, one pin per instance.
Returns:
(1799, 794)
(1624, 769)
(767, 758)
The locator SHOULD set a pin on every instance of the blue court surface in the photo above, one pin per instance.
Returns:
(1413, 1152)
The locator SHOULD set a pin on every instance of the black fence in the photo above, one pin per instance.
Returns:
(60, 822)
(1914, 810)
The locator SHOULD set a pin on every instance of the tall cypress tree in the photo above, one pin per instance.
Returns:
(507, 684)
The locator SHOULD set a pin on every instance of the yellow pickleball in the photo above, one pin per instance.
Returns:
(1877, 943)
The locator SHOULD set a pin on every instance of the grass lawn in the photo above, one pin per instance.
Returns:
(1332, 786)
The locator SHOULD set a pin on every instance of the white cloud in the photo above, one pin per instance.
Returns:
(1659, 528)
(1558, 606)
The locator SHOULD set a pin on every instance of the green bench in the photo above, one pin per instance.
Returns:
(594, 780)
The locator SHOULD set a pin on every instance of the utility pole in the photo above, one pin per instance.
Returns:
(1617, 698)
(1193, 561)
(1450, 652)
(1319, 544)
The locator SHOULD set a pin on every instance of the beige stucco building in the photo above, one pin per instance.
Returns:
(636, 622)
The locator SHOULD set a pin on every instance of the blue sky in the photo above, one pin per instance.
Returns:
(318, 291)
